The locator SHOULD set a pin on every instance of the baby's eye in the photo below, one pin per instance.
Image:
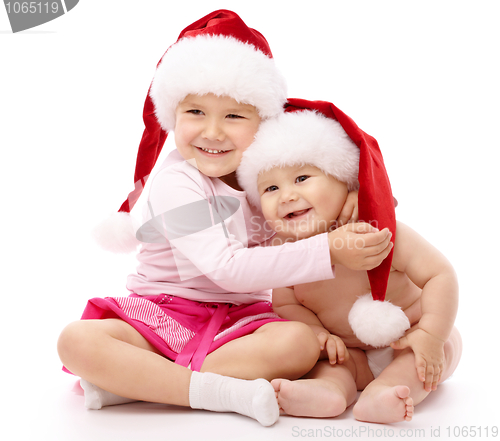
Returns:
(195, 112)
(301, 178)
(271, 188)
(233, 116)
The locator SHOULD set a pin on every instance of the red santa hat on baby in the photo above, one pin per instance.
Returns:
(217, 54)
(318, 133)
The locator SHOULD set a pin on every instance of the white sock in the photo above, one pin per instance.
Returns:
(255, 399)
(95, 397)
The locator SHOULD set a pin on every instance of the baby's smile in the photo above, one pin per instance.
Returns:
(298, 213)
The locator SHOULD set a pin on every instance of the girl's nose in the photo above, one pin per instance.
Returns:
(212, 131)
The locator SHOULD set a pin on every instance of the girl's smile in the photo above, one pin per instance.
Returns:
(212, 152)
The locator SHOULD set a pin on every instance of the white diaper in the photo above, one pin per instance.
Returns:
(379, 359)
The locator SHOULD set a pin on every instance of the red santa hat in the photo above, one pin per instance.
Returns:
(318, 133)
(217, 54)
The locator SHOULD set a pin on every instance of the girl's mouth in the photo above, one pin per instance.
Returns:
(212, 151)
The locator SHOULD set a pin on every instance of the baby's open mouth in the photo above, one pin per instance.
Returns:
(297, 213)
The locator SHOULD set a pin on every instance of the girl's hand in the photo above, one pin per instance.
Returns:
(349, 211)
(429, 356)
(334, 346)
(359, 246)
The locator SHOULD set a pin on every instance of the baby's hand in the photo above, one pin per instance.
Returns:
(429, 356)
(349, 211)
(335, 347)
(359, 246)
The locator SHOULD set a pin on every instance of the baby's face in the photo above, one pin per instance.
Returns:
(300, 201)
(214, 131)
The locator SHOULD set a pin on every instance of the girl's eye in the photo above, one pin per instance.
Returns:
(233, 116)
(271, 188)
(195, 112)
(301, 178)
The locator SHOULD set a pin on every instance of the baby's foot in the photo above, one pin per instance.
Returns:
(384, 405)
(309, 398)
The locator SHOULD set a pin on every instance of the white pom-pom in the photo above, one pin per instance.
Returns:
(377, 323)
(117, 233)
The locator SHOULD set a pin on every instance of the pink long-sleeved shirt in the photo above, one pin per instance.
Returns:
(203, 241)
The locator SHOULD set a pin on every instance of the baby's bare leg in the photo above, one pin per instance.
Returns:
(453, 353)
(387, 398)
(392, 396)
(327, 390)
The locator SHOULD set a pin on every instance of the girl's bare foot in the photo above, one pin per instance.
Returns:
(309, 398)
(384, 404)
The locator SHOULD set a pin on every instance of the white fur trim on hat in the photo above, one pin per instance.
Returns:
(220, 65)
(303, 137)
(377, 323)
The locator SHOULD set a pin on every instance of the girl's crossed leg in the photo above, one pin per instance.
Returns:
(115, 357)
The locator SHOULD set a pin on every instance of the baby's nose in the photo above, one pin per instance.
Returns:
(289, 195)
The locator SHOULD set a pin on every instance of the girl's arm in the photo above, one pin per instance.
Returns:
(208, 237)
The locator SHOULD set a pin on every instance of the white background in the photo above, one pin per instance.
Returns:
(422, 77)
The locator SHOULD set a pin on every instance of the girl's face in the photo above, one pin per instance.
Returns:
(300, 201)
(214, 131)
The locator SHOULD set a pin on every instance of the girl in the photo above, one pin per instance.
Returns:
(198, 328)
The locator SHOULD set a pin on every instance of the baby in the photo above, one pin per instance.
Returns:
(300, 169)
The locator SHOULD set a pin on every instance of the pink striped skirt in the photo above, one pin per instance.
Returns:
(183, 330)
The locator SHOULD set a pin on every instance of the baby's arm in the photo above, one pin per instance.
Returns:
(286, 305)
(431, 271)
